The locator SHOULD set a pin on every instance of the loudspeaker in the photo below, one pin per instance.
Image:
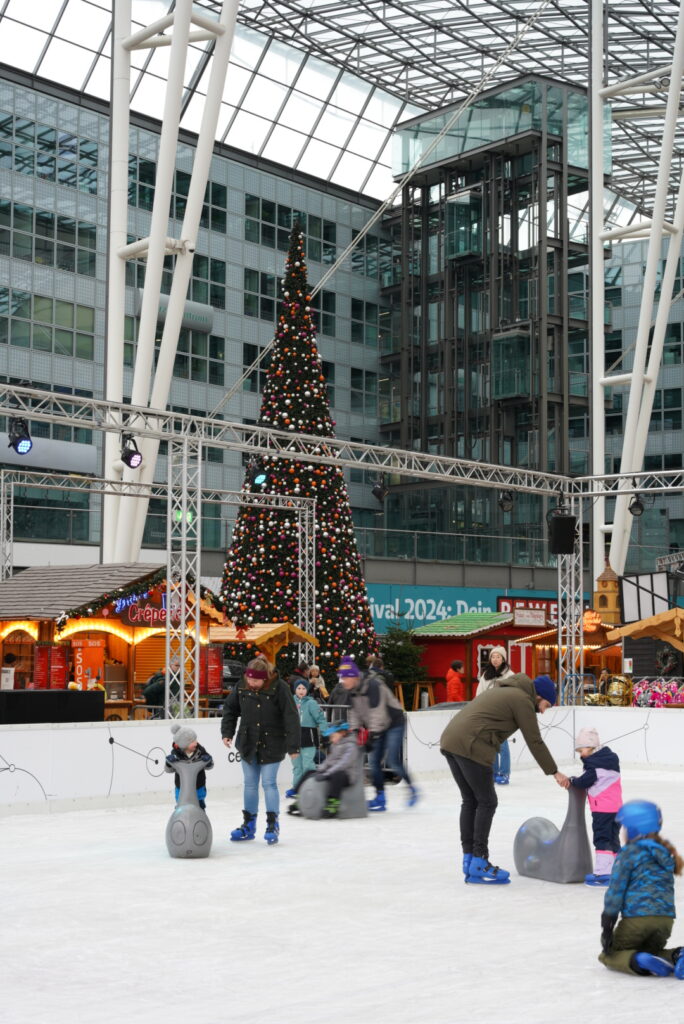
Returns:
(562, 534)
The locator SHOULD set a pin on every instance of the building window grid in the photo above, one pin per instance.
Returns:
(260, 300)
(48, 239)
(365, 323)
(364, 391)
(207, 285)
(667, 410)
(46, 324)
(269, 223)
(48, 153)
(199, 357)
(142, 176)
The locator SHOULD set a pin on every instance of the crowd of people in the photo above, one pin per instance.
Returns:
(269, 718)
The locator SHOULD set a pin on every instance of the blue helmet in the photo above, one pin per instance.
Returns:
(338, 727)
(639, 817)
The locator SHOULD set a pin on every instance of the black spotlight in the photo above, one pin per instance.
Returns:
(130, 455)
(506, 501)
(19, 437)
(379, 491)
(636, 506)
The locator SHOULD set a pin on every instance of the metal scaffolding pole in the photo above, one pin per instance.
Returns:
(570, 610)
(6, 526)
(184, 533)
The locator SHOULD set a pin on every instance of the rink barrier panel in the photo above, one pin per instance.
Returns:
(72, 766)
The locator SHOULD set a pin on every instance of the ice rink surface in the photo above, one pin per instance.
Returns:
(358, 922)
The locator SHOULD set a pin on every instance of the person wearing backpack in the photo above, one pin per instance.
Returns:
(374, 707)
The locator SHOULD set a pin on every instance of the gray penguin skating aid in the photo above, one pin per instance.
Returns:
(541, 851)
(188, 832)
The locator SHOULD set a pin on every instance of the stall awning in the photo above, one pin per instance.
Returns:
(268, 637)
(460, 627)
(667, 626)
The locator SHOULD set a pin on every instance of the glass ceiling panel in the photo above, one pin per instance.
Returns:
(381, 59)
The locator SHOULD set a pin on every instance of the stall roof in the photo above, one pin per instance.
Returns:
(465, 625)
(45, 591)
(268, 637)
(667, 626)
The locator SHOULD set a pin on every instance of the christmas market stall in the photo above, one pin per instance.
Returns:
(469, 637)
(267, 638)
(654, 647)
(78, 643)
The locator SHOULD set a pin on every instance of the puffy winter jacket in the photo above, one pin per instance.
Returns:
(484, 684)
(601, 779)
(343, 756)
(269, 723)
(373, 705)
(198, 754)
(311, 718)
(642, 881)
(478, 730)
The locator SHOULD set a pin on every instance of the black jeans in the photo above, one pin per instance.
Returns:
(479, 802)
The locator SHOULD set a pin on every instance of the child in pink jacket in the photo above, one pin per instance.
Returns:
(601, 779)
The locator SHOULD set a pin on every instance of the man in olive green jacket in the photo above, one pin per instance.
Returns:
(470, 743)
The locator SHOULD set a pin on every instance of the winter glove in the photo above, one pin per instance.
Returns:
(172, 758)
(608, 922)
(206, 758)
(370, 742)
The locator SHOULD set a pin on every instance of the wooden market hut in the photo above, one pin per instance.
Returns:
(267, 637)
(88, 624)
(665, 627)
(467, 637)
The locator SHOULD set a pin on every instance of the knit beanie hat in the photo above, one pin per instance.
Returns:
(546, 688)
(499, 650)
(301, 682)
(348, 668)
(183, 735)
(587, 738)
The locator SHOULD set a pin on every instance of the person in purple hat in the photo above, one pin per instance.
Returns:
(373, 706)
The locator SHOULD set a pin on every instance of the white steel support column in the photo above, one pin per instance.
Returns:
(136, 512)
(570, 608)
(156, 249)
(6, 526)
(642, 388)
(597, 282)
(184, 534)
(116, 266)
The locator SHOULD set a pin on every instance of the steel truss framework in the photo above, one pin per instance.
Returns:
(188, 434)
(184, 497)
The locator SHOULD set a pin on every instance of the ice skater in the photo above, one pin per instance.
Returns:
(341, 768)
(269, 729)
(601, 779)
(312, 720)
(641, 893)
(374, 707)
(186, 748)
(469, 744)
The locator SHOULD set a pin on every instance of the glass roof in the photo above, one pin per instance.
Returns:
(318, 85)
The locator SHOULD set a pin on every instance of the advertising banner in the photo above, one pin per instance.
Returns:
(41, 667)
(88, 661)
(59, 667)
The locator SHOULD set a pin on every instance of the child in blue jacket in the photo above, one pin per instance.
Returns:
(641, 893)
(311, 719)
(601, 779)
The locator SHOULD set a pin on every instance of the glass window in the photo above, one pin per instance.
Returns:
(64, 313)
(85, 346)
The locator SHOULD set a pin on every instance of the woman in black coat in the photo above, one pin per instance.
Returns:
(269, 729)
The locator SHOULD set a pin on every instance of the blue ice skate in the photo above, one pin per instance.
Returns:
(481, 872)
(655, 965)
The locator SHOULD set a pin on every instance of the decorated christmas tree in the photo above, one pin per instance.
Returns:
(260, 579)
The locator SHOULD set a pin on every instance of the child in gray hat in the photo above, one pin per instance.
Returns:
(186, 748)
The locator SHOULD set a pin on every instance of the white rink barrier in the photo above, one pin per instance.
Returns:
(62, 766)
(640, 736)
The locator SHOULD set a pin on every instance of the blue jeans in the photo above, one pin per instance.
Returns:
(502, 764)
(388, 746)
(252, 772)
